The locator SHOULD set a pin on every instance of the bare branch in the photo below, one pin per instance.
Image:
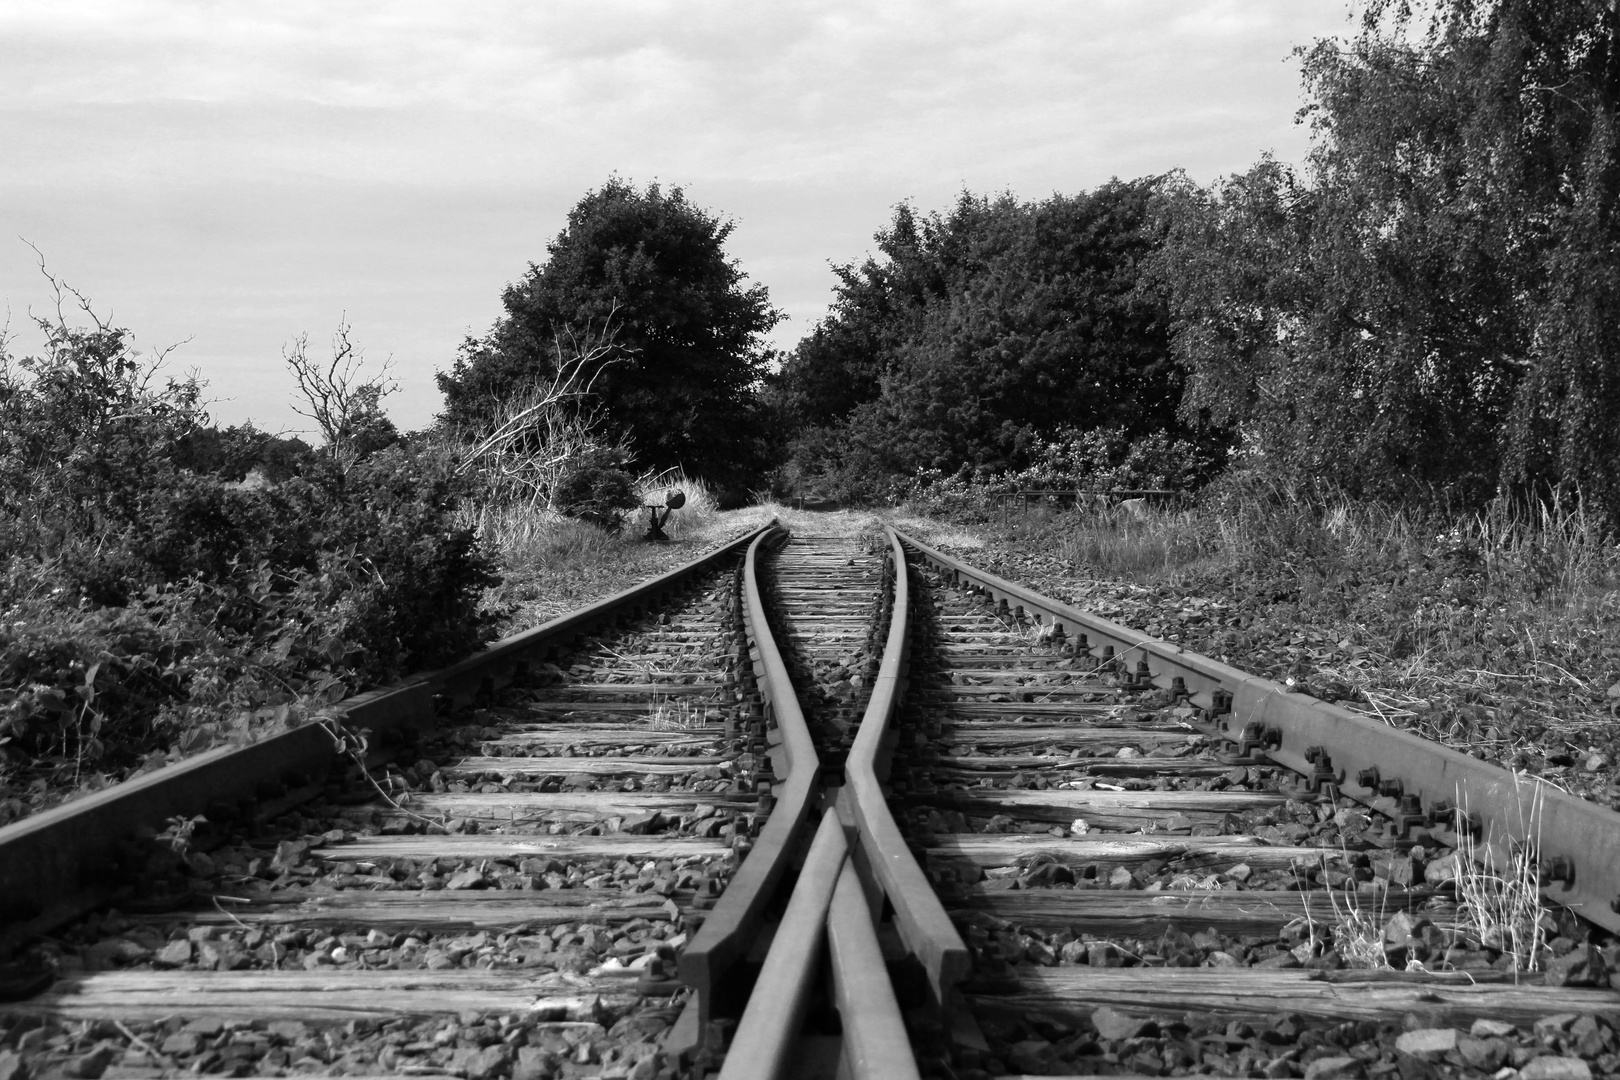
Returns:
(335, 397)
(529, 439)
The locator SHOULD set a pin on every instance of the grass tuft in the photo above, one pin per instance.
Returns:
(1500, 905)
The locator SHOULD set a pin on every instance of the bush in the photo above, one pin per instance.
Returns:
(595, 488)
(148, 600)
(1105, 459)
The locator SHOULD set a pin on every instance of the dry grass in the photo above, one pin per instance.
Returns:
(1500, 905)
(679, 714)
(1491, 632)
(551, 565)
(936, 533)
(1138, 547)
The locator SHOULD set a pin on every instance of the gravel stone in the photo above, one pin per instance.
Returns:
(1555, 1068)
(1486, 1055)
(1427, 1041)
(1113, 1024)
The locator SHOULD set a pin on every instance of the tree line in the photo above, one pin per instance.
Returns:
(1424, 310)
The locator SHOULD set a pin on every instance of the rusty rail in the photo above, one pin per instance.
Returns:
(875, 1040)
(53, 866)
(886, 864)
(1414, 780)
(728, 932)
(770, 1024)
(833, 903)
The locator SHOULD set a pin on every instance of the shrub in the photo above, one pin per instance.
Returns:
(595, 488)
(1105, 459)
(149, 601)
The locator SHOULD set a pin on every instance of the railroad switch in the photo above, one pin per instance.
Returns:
(674, 499)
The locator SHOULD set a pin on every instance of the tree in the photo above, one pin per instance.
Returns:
(681, 377)
(982, 333)
(1435, 312)
(346, 409)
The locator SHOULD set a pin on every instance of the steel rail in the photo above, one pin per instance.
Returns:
(830, 905)
(770, 1023)
(731, 927)
(875, 1041)
(887, 865)
(53, 865)
(1417, 781)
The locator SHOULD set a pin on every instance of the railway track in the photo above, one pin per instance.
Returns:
(508, 889)
(823, 807)
(1163, 865)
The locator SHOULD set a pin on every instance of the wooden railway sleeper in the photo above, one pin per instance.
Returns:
(1271, 726)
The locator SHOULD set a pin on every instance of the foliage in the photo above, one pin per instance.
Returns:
(1100, 460)
(687, 354)
(347, 410)
(148, 598)
(1104, 459)
(1430, 315)
(595, 488)
(981, 335)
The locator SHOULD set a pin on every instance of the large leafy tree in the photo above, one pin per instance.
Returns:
(982, 331)
(647, 271)
(1434, 310)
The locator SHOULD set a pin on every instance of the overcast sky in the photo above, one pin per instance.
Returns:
(234, 173)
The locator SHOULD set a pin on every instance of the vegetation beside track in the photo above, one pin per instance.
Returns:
(1497, 633)
(155, 600)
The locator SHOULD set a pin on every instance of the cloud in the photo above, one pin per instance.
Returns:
(261, 168)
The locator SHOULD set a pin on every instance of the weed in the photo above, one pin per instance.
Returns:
(178, 833)
(678, 714)
(1205, 882)
(1358, 935)
(1500, 904)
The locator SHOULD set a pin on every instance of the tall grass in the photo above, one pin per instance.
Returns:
(551, 564)
(1548, 554)
(1121, 543)
(527, 534)
(1500, 902)
(1491, 630)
